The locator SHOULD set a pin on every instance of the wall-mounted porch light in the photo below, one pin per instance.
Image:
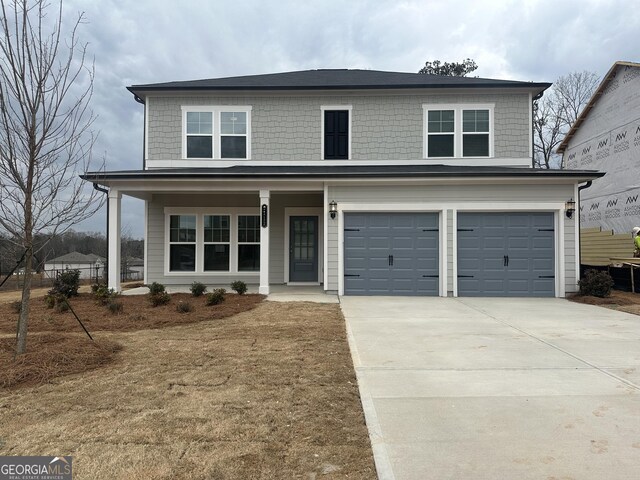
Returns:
(333, 209)
(570, 207)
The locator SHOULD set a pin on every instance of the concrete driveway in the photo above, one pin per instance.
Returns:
(497, 388)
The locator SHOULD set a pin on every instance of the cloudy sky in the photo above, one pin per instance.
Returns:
(149, 41)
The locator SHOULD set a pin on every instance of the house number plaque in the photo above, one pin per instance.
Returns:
(264, 216)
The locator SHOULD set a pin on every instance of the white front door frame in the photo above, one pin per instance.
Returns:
(304, 211)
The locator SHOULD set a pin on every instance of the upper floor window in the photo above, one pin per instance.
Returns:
(458, 131)
(213, 132)
(336, 132)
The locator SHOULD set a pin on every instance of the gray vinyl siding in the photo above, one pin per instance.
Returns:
(444, 194)
(156, 233)
(571, 274)
(384, 127)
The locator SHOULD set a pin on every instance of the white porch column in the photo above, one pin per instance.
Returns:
(264, 242)
(114, 239)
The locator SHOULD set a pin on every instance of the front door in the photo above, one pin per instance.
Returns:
(303, 249)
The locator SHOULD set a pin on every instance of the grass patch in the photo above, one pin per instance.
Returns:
(269, 393)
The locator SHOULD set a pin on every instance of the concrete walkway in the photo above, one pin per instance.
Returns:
(497, 388)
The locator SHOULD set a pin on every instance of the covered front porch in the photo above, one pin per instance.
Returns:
(216, 234)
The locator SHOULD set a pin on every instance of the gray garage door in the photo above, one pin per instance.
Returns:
(506, 254)
(391, 254)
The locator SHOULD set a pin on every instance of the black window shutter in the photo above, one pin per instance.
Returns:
(336, 134)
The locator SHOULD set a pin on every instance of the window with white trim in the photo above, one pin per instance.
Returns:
(440, 133)
(216, 132)
(248, 243)
(217, 243)
(199, 134)
(457, 131)
(182, 243)
(475, 133)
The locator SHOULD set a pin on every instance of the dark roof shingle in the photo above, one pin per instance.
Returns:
(337, 79)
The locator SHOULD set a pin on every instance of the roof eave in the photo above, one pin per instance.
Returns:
(141, 91)
(99, 177)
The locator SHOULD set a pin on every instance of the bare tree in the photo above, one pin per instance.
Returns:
(556, 111)
(46, 83)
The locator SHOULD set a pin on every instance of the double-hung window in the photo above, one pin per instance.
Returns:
(248, 243)
(216, 132)
(440, 133)
(456, 131)
(475, 133)
(217, 243)
(199, 135)
(182, 243)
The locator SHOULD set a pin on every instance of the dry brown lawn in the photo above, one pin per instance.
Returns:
(268, 393)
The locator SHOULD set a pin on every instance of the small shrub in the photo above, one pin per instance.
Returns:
(103, 294)
(184, 307)
(137, 317)
(61, 306)
(216, 297)
(197, 289)
(157, 299)
(156, 288)
(16, 306)
(115, 307)
(596, 283)
(50, 300)
(239, 287)
(67, 283)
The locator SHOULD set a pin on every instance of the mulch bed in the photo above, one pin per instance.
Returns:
(618, 300)
(51, 355)
(137, 313)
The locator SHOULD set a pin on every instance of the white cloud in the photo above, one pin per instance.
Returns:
(161, 40)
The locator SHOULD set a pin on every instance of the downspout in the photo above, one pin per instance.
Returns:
(106, 192)
(581, 187)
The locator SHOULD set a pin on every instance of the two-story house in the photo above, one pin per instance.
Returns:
(364, 182)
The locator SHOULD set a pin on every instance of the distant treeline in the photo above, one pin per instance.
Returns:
(49, 248)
